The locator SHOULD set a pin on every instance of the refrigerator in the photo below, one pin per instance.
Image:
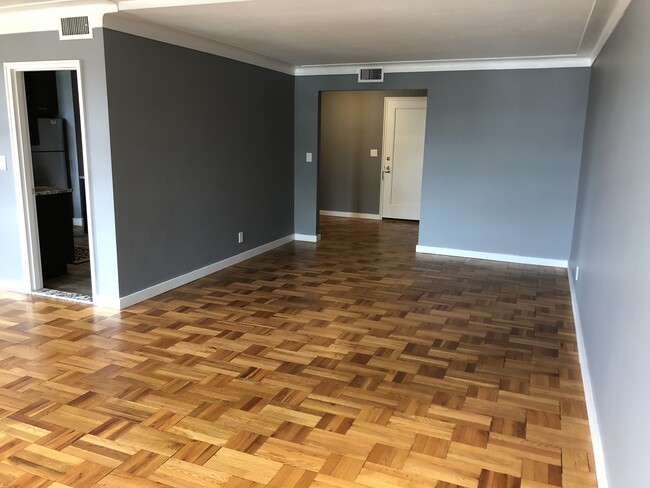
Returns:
(49, 157)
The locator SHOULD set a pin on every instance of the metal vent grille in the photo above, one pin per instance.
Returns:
(75, 27)
(371, 75)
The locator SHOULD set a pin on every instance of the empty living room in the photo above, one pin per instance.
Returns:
(324, 243)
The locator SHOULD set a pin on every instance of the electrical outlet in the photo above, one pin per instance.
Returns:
(577, 272)
(374, 153)
(308, 157)
(240, 236)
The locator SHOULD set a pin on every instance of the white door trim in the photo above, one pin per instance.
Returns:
(384, 140)
(23, 175)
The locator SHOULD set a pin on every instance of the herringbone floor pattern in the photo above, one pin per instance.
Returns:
(351, 363)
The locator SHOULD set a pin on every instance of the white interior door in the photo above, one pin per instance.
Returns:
(403, 157)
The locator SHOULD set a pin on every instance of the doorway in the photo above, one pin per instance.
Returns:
(48, 146)
(351, 154)
(403, 157)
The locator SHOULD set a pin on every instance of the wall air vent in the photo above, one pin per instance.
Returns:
(75, 28)
(371, 75)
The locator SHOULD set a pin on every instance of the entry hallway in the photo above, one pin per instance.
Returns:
(351, 363)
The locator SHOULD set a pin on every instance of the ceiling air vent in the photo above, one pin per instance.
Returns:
(371, 75)
(75, 28)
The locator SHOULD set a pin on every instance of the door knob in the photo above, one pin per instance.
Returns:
(387, 170)
(388, 158)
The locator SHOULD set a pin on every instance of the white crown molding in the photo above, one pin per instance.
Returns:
(614, 18)
(544, 62)
(490, 256)
(141, 4)
(586, 28)
(131, 25)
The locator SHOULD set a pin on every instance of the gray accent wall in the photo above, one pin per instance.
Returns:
(46, 46)
(502, 157)
(202, 149)
(611, 243)
(352, 123)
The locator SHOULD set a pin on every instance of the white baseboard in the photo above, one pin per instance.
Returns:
(155, 290)
(509, 258)
(77, 222)
(596, 439)
(107, 302)
(16, 286)
(354, 215)
(306, 238)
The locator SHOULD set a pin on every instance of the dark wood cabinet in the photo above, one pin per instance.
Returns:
(55, 233)
(41, 94)
(42, 99)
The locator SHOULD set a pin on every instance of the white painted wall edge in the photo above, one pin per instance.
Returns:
(306, 238)
(15, 286)
(594, 426)
(544, 62)
(508, 258)
(354, 215)
(155, 290)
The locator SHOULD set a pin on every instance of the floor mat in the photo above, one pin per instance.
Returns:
(63, 295)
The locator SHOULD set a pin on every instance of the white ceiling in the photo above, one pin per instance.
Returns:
(334, 32)
(315, 32)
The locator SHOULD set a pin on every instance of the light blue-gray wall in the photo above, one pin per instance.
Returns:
(202, 148)
(352, 123)
(45, 46)
(502, 157)
(611, 243)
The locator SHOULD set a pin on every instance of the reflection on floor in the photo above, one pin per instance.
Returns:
(76, 285)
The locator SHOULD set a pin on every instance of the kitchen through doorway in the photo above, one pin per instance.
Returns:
(52, 99)
(47, 110)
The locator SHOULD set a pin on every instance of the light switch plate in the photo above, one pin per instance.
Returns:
(374, 153)
(308, 157)
(3, 163)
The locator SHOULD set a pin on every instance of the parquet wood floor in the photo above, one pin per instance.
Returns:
(351, 363)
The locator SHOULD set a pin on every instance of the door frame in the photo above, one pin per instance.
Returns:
(384, 138)
(23, 172)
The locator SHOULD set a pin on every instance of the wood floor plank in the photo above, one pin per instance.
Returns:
(353, 362)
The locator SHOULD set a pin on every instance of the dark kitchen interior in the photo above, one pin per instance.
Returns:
(57, 162)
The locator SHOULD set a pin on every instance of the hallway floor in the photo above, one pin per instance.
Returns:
(354, 362)
(76, 283)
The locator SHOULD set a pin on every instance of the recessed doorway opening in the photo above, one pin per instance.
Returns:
(45, 101)
(362, 134)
